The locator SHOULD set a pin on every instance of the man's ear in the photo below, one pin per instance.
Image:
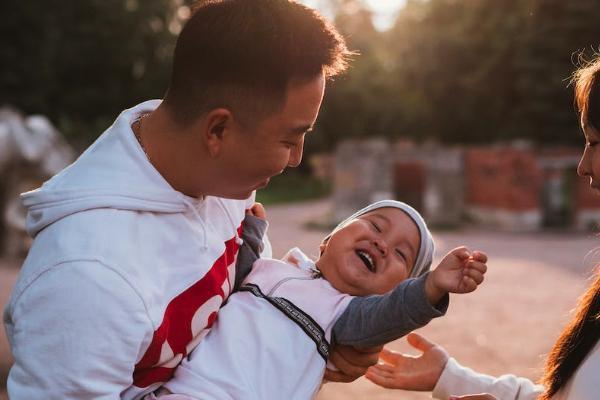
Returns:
(217, 122)
(323, 246)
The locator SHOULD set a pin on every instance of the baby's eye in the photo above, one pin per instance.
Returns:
(401, 255)
(376, 226)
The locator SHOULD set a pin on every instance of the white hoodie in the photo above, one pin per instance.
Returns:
(123, 278)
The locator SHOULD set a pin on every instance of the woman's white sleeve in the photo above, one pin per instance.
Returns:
(457, 380)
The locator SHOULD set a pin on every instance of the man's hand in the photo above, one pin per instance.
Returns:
(460, 271)
(352, 362)
(400, 371)
(257, 210)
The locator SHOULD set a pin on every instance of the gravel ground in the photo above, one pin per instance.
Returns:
(507, 325)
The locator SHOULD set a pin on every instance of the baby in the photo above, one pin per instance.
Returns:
(272, 338)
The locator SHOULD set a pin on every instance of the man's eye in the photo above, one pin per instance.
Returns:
(376, 226)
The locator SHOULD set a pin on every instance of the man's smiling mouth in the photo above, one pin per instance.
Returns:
(367, 259)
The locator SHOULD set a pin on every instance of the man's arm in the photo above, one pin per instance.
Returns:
(76, 333)
(378, 319)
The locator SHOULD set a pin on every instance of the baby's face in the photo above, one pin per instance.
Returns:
(371, 254)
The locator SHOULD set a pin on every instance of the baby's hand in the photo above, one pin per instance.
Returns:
(460, 271)
(257, 210)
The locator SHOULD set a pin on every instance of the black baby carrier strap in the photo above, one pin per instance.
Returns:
(299, 317)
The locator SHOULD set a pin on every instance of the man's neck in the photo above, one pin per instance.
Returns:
(175, 153)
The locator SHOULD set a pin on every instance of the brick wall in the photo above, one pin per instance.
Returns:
(508, 179)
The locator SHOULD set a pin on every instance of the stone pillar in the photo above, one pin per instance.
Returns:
(363, 174)
(431, 179)
(444, 197)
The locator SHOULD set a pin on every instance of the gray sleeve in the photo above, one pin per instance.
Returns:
(253, 230)
(378, 319)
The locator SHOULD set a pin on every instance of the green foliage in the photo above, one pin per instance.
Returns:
(292, 186)
(82, 62)
(459, 71)
(463, 71)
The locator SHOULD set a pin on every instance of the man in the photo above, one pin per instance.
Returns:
(135, 243)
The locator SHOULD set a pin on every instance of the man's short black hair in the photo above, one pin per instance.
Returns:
(243, 54)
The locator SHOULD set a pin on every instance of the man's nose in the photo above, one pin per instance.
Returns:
(296, 155)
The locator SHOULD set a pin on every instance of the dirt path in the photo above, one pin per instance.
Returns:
(506, 326)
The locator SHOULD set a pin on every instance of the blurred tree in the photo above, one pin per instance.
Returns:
(462, 71)
(558, 32)
(453, 65)
(481, 70)
(355, 103)
(82, 62)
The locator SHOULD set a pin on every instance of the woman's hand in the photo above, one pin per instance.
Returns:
(400, 371)
(352, 362)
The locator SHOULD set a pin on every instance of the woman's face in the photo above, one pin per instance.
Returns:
(589, 165)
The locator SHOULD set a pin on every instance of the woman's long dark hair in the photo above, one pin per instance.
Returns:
(576, 341)
(587, 93)
(581, 334)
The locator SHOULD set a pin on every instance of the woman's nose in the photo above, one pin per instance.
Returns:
(582, 167)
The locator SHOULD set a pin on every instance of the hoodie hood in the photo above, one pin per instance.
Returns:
(112, 173)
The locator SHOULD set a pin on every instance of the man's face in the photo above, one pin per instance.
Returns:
(371, 254)
(253, 156)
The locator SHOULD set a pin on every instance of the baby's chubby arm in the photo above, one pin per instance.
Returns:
(460, 271)
(377, 319)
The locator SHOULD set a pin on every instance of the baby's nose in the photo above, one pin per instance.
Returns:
(381, 246)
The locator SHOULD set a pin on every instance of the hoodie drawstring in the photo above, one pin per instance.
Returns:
(238, 239)
(192, 207)
(194, 210)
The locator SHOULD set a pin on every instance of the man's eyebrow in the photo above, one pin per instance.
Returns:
(299, 130)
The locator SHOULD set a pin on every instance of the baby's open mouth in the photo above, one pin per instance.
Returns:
(366, 258)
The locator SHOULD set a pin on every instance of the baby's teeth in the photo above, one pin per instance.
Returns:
(368, 257)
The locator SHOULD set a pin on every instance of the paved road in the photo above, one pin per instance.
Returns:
(506, 326)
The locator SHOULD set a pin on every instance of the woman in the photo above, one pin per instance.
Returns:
(573, 366)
